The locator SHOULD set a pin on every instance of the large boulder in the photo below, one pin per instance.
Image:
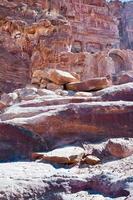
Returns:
(120, 148)
(65, 155)
(61, 77)
(38, 75)
(90, 84)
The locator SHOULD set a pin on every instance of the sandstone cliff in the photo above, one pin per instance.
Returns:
(66, 100)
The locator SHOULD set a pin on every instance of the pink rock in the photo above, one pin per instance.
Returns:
(17, 143)
(120, 148)
(88, 85)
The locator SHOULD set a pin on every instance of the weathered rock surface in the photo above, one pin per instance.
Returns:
(66, 120)
(76, 40)
(92, 160)
(116, 93)
(83, 94)
(60, 77)
(66, 155)
(111, 179)
(120, 148)
(17, 143)
(33, 39)
(69, 122)
(89, 85)
(53, 86)
(125, 77)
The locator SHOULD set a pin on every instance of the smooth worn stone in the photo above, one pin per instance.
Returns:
(120, 148)
(65, 155)
(125, 77)
(62, 120)
(45, 92)
(89, 85)
(116, 93)
(83, 94)
(61, 77)
(91, 160)
(27, 93)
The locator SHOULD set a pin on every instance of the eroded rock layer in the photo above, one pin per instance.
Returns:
(76, 145)
(66, 106)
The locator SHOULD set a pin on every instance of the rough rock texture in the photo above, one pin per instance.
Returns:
(111, 179)
(17, 143)
(120, 148)
(74, 121)
(81, 142)
(61, 77)
(116, 93)
(41, 35)
(124, 77)
(72, 159)
(89, 85)
(98, 20)
(67, 119)
(124, 14)
(67, 155)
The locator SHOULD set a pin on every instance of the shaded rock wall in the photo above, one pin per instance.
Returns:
(124, 14)
(127, 19)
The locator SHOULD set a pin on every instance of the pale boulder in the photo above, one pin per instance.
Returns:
(61, 77)
(66, 155)
(92, 160)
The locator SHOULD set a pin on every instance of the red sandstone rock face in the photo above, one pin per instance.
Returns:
(31, 38)
(88, 20)
(67, 35)
(76, 121)
(87, 65)
(17, 143)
